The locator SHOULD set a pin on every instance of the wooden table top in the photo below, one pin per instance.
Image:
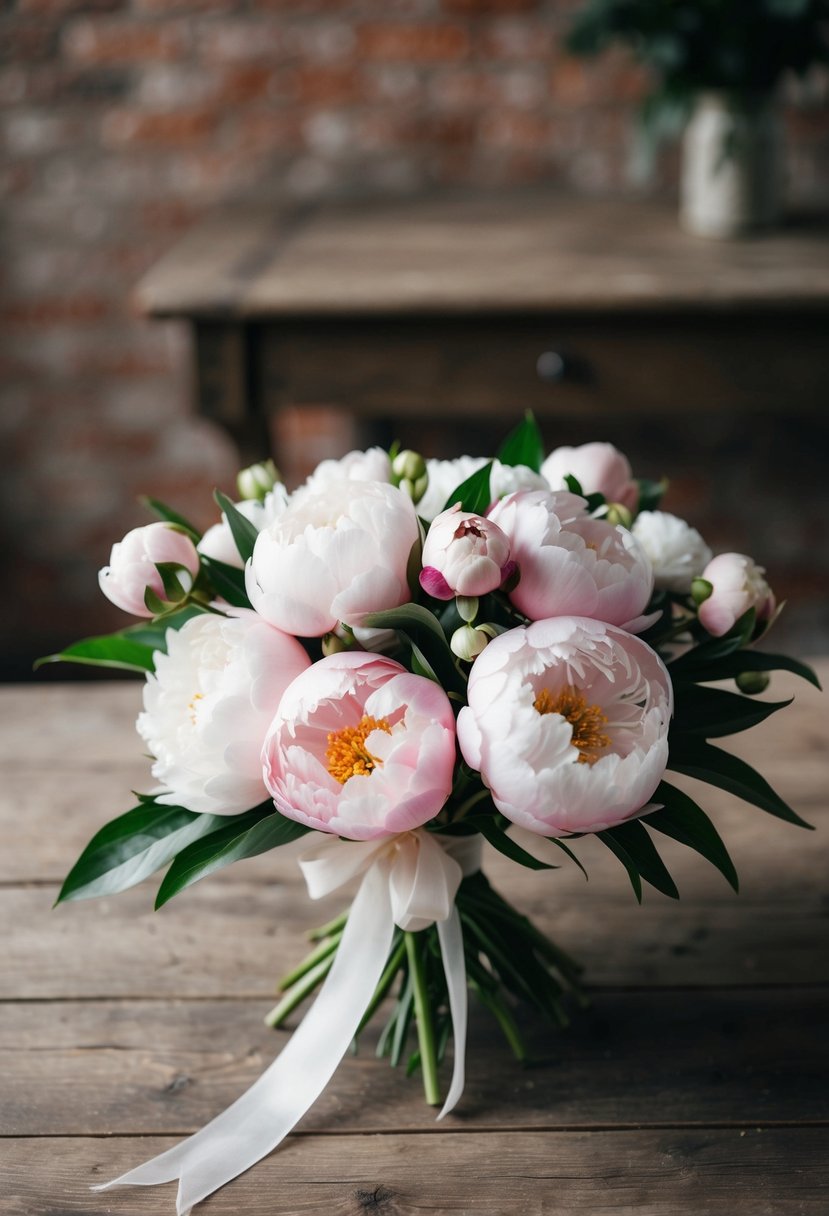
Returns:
(697, 1084)
(528, 253)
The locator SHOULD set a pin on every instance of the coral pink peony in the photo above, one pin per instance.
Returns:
(571, 564)
(737, 585)
(208, 707)
(361, 748)
(333, 557)
(131, 570)
(599, 468)
(567, 723)
(464, 554)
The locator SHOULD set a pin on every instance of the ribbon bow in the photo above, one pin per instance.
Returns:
(409, 880)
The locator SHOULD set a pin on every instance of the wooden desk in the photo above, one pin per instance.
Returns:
(464, 308)
(696, 1085)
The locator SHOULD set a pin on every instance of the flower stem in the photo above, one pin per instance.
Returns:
(299, 992)
(327, 946)
(333, 926)
(423, 1017)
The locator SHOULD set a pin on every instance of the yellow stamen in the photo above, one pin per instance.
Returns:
(197, 696)
(586, 721)
(347, 754)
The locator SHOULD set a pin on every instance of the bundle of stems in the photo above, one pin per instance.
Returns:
(507, 960)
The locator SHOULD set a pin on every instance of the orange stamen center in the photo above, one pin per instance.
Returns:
(347, 754)
(586, 720)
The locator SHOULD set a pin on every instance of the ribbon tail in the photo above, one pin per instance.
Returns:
(261, 1118)
(454, 966)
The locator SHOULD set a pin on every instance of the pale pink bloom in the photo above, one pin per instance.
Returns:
(208, 707)
(677, 552)
(738, 584)
(131, 570)
(599, 468)
(334, 557)
(218, 541)
(361, 747)
(464, 554)
(567, 723)
(371, 465)
(571, 564)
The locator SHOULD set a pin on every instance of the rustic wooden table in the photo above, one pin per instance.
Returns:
(697, 1084)
(467, 307)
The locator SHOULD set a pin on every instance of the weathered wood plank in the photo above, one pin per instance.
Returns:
(626, 1173)
(727, 1056)
(54, 727)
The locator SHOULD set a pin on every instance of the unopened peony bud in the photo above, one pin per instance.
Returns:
(618, 513)
(464, 554)
(700, 590)
(258, 480)
(752, 682)
(737, 584)
(132, 566)
(408, 466)
(468, 642)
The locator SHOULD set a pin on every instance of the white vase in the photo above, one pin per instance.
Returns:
(731, 174)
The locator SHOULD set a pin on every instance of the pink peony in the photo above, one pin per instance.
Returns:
(131, 570)
(737, 585)
(361, 748)
(334, 556)
(464, 554)
(571, 564)
(567, 723)
(599, 468)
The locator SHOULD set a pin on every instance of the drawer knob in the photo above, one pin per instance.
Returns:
(556, 367)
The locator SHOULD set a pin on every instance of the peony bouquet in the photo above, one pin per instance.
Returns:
(401, 660)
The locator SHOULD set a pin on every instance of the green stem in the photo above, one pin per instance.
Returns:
(326, 947)
(333, 926)
(299, 992)
(467, 806)
(392, 968)
(423, 1017)
(505, 1020)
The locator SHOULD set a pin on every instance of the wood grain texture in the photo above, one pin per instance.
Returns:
(533, 252)
(750, 1172)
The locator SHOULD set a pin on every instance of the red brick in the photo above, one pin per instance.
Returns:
(514, 38)
(475, 8)
(245, 82)
(327, 85)
(172, 128)
(122, 40)
(240, 40)
(417, 43)
(67, 310)
(514, 129)
(64, 7)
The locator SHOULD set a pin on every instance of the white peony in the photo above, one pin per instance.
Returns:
(208, 707)
(218, 541)
(371, 465)
(677, 551)
(446, 475)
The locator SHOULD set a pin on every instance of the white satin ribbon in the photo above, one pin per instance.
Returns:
(410, 880)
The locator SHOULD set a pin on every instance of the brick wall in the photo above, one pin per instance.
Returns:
(123, 121)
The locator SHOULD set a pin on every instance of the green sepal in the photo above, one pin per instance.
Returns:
(132, 847)
(499, 840)
(711, 712)
(173, 587)
(240, 836)
(243, 532)
(727, 772)
(524, 445)
(682, 820)
(420, 626)
(636, 851)
(227, 581)
(474, 494)
(171, 517)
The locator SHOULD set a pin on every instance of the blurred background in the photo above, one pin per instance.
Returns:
(126, 122)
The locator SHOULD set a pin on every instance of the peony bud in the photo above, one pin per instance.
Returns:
(256, 481)
(464, 554)
(467, 642)
(132, 566)
(618, 513)
(737, 584)
(408, 466)
(752, 682)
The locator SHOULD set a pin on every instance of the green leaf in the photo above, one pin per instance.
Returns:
(474, 494)
(636, 851)
(682, 820)
(650, 493)
(171, 517)
(524, 445)
(241, 836)
(566, 849)
(113, 650)
(727, 772)
(243, 532)
(421, 627)
(573, 485)
(227, 582)
(133, 846)
(734, 665)
(710, 652)
(711, 712)
(170, 577)
(499, 840)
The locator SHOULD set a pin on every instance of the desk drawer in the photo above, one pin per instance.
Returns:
(642, 364)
